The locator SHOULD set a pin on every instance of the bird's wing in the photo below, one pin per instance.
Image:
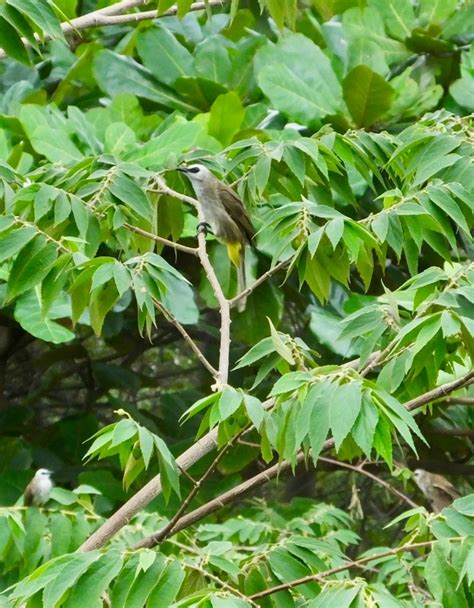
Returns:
(28, 495)
(442, 484)
(235, 208)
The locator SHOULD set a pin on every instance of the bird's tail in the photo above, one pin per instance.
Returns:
(236, 252)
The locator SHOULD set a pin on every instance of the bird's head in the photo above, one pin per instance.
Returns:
(43, 474)
(196, 173)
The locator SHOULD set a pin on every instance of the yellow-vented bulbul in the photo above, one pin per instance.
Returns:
(226, 215)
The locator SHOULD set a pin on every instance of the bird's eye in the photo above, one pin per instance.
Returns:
(193, 169)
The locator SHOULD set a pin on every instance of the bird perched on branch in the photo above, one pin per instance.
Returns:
(38, 490)
(225, 214)
(438, 490)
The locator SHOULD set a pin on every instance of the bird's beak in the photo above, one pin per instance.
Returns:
(182, 169)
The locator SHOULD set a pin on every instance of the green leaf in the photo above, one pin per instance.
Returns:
(124, 430)
(339, 595)
(89, 589)
(383, 440)
(229, 402)
(212, 61)
(11, 42)
(225, 118)
(398, 15)
(465, 505)
(442, 580)
(175, 60)
(367, 95)
(55, 145)
(129, 193)
(31, 266)
(14, 241)
(365, 425)
(290, 382)
(39, 12)
(38, 323)
(168, 585)
(175, 140)
(305, 91)
(345, 407)
(116, 74)
(319, 400)
(255, 410)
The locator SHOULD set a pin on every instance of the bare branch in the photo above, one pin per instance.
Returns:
(468, 401)
(440, 391)
(168, 529)
(203, 447)
(267, 475)
(362, 471)
(352, 564)
(194, 347)
(146, 494)
(258, 282)
(114, 15)
(161, 240)
(224, 306)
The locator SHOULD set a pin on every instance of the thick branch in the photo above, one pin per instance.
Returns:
(353, 564)
(153, 488)
(146, 494)
(228, 497)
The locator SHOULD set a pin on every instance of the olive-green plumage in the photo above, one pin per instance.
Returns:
(225, 213)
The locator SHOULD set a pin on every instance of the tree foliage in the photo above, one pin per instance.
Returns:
(345, 128)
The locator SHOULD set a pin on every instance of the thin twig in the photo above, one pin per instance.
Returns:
(162, 240)
(258, 282)
(362, 471)
(224, 307)
(194, 347)
(222, 583)
(265, 476)
(440, 391)
(469, 401)
(168, 529)
(113, 15)
(352, 564)
(200, 449)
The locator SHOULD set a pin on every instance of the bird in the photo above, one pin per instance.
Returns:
(438, 490)
(38, 490)
(225, 214)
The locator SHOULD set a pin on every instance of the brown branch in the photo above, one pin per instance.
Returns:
(362, 471)
(458, 401)
(352, 564)
(168, 529)
(265, 476)
(258, 282)
(203, 447)
(161, 240)
(224, 307)
(194, 347)
(113, 15)
(452, 432)
(146, 494)
(440, 391)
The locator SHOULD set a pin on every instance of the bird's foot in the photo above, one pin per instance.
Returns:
(203, 228)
